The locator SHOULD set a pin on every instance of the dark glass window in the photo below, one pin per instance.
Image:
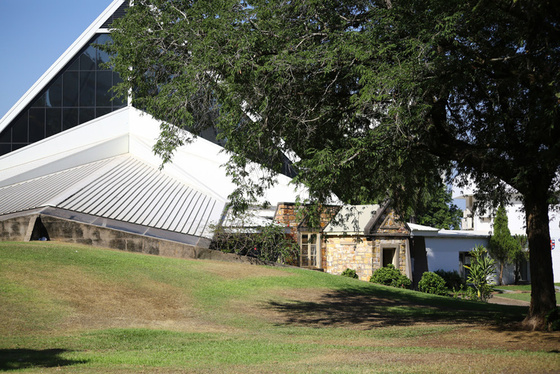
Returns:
(86, 114)
(80, 93)
(87, 88)
(5, 148)
(104, 84)
(69, 118)
(6, 136)
(87, 59)
(54, 121)
(19, 131)
(36, 124)
(54, 94)
(71, 88)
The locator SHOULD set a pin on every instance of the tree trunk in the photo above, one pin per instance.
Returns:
(543, 298)
(500, 282)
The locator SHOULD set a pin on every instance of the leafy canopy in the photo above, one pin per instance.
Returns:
(370, 99)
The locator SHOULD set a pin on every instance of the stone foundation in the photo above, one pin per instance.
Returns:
(26, 228)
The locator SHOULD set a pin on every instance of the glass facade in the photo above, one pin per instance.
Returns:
(80, 93)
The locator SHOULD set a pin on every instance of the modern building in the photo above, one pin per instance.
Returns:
(77, 165)
(474, 221)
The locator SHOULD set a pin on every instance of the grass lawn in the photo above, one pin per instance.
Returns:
(521, 292)
(514, 288)
(85, 310)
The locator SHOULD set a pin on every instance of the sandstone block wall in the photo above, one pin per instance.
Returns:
(15, 229)
(58, 229)
(347, 252)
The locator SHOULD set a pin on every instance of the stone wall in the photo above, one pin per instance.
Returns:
(287, 214)
(360, 254)
(62, 230)
(16, 228)
(348, 252)
(401, 244)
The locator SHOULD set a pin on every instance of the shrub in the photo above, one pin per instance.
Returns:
(482, 267)
(390, 276)
(350, 273)
(432, 283)
(268, 243)
(452, 278)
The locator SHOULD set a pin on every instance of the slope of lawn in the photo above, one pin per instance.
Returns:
(89, 310)
(520, 292)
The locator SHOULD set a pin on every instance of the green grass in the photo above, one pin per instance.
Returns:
(521, 292)
(91, 310)
(519, 288)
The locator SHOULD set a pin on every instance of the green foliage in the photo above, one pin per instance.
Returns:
(390, 276)
(373, 99)
(482, 267)
(465, 292)
(519, 255)
(267, 243)
(453, 280)
(502, 245)
(433, 284)
(350, 273)
(440, 211)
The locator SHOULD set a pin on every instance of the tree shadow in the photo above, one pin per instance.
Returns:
(376, 307)
(16, 359)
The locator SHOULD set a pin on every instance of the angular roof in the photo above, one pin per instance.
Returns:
(98, 26)
(106, 169)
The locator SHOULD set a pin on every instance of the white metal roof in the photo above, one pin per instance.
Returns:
(106, 168)
(122, 188)
(427, 231)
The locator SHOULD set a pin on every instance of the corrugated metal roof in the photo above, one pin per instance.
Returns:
(123, 189)
(39, 192)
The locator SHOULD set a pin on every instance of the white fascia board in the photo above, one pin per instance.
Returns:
(98, 139)
(59, 64)
(458, 234)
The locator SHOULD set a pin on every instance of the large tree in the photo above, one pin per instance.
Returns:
(370, 99)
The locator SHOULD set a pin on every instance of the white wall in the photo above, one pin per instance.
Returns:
(516, 224)
(443, 252)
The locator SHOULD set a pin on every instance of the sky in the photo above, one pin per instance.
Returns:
(34, 34)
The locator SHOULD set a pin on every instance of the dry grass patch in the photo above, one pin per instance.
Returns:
(240, 271)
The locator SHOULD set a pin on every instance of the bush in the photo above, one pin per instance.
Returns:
(452, 278)
(350, 273)
(269, 244)
(482, 267)
(390, 276)
(433, 284)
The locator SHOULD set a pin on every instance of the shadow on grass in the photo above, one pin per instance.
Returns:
(16, 359)
(386, 306)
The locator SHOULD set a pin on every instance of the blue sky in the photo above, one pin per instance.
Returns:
(34, 34)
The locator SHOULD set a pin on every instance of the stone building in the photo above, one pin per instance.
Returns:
(363, 238)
